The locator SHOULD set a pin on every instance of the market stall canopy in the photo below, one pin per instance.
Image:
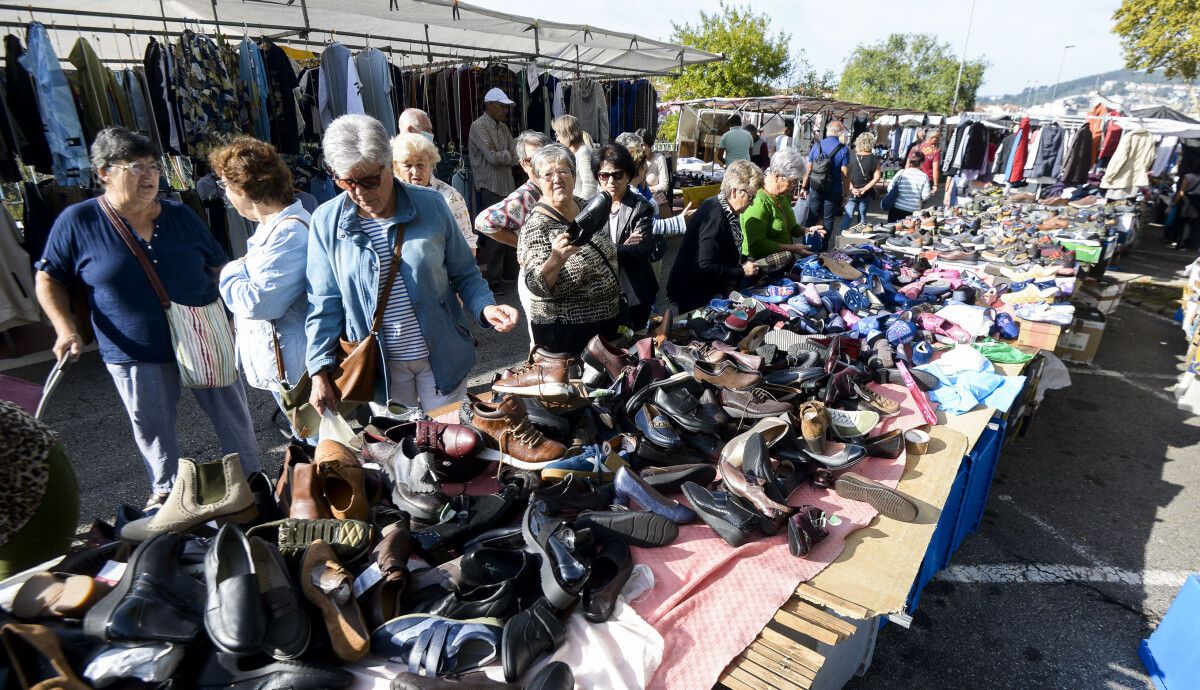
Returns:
(423, 29)
(786, 103)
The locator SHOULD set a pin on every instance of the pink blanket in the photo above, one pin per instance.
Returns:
(711, 600)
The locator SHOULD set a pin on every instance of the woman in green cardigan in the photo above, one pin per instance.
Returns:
(769, 225)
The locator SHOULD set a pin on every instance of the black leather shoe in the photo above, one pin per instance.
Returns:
(678, 403)
(634, 527)
(234, 617)
(472, 515)
(497, 600)
(562, 574)
(288, 629)
(611, 569)
(574, 495)
(670, 480)
(756, 464)
(154, 601)
(554, 676)
(731, 518)
(264, 498)
(250, 673)
(527, 636)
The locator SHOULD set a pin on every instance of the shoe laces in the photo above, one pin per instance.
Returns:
(524, 432)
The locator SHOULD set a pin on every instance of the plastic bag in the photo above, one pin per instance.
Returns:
(334, 427)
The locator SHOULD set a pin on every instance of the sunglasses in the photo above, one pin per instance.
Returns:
(614, 175)
(365, 182)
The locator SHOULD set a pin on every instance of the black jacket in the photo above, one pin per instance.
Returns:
(634, 259)
(709, 261)
(1077, 162)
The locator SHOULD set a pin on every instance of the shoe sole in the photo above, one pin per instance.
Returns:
(887, 501)
(493, 455)
(555, 392)
(740, 414)
(645, 529)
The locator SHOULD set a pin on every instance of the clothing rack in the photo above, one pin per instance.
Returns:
(286, 32)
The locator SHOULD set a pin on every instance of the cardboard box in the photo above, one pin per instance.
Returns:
(1043, 336)
(1084, 253)
(1104, 294)
(1083, 341)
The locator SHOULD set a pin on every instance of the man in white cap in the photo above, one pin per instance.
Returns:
(492, 159)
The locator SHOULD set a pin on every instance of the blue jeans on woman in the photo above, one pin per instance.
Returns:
(856, 210)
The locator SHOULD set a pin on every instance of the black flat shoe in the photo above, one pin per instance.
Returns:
(726, 514)
(528, 636)
(634, 527)
(611, 569)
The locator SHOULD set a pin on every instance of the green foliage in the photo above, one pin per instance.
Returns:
(1160, 35)
(909, 71)
(754, 58)
(667, 128)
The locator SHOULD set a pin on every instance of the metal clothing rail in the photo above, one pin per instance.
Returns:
(284, 31)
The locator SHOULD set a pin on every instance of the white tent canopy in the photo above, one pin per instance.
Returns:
(421, 29)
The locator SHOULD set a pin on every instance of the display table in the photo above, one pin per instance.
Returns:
(826, 631)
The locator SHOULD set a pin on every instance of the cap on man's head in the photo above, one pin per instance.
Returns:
(497, 96)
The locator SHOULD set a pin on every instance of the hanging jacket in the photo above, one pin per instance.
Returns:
(589, 106)
(1130, 163)
(19, 88)
(64, 133)
(1017, 172)
(1112, 139)
(1049, 145)
(1078, 160)
(340, 89)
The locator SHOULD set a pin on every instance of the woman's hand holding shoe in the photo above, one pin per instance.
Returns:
(750, 269)
(324, 396)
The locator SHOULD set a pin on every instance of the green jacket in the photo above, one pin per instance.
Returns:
(766, 225)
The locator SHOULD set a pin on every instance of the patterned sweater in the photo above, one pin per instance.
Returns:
(586, 290)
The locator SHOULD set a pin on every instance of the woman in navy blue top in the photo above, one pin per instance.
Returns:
(131, 326)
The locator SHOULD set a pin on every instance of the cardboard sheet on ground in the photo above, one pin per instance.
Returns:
(875, 570)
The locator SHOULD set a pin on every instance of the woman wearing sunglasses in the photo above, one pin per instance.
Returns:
(630, 226)
(425, 339)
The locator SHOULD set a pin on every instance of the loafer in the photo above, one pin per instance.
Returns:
(732, 520)
(628, 487)
(436, 646)
(684, 409)
(611, 569)
(753, 403)
(342, 481)
(330, 588)
(634, 527)
(155, 601)
(887, 446)
(887, 501)
(234, 617)
(805, 530)
(203, 492)
(656, 428)
(528, 636)
(288, 629)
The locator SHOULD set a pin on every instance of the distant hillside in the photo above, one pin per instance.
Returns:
(1082, 85)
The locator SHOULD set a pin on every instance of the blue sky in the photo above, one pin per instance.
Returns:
(1022, 40)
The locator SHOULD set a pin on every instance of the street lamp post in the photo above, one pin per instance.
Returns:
(962, 61)
(1058, 77)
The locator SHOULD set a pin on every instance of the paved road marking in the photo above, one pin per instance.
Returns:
(1083, 551)
(1047, 573)
(1156, 392)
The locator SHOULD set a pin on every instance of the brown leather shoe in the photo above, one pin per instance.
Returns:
(330, 588)
(37, 658)
(888, 446)
(507, 426)
(748, 361)
(751, 403)
(602, 357)
(752, 490)
(307, 501)
(384, 600)
(544, 375)
(341, 478)
(294, 455)
(814, 425)
(724, 375)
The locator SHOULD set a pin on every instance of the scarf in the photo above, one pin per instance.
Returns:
(735, 224)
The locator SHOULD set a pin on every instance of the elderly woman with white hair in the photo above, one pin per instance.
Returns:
(414, 159)
(709, 262)
(378, 233)
(769, 225)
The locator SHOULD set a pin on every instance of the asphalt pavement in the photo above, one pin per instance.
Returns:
(1089, 527)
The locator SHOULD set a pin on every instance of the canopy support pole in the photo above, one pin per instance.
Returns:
(428, 50)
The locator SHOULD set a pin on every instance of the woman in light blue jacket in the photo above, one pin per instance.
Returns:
(425, 339)
(265, 288)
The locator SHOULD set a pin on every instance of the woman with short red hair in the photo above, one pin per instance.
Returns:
(265, 289)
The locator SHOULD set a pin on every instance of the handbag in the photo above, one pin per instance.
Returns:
(889, 200)
(200, 336)
(357, 361)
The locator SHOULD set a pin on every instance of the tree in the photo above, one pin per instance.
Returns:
(754, 59)
(1160, 35)
(910, 71)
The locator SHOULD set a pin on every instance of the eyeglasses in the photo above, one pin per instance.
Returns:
(139, 169)
(556, 172)
(617, 175)
(365, 182)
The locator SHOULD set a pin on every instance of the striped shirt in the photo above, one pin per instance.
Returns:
(400, 332)
(914, 189)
